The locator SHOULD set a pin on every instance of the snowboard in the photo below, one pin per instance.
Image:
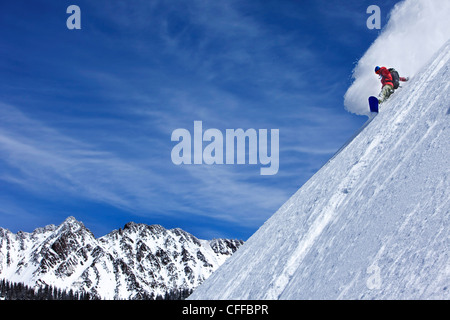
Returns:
(373, 104)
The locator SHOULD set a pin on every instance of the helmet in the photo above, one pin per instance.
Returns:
(377, 68)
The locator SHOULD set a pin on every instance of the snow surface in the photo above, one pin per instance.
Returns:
(415, 31)
(373, 223)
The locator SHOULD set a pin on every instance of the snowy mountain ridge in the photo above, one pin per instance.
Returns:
(138, 261)
(372, 223)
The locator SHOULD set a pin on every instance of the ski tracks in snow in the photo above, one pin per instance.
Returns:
(361, 172)
(324, 217)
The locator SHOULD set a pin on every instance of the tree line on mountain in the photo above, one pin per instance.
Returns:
(19, 291)
(175, 294)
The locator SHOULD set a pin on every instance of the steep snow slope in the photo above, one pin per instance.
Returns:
(372, 223)
(131, 263)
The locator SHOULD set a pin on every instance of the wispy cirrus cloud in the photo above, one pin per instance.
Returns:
(42, 160)
(47, 162)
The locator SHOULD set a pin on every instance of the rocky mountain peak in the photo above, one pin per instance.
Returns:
(72, 224)
(137, 261)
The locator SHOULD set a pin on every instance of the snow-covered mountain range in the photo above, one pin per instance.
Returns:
(131, 263)
(372, 223)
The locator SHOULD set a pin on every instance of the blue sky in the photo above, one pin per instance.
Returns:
(86, 115)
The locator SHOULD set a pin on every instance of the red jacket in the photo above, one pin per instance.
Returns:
(386, 77)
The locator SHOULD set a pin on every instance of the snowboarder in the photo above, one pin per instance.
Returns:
(389, 81)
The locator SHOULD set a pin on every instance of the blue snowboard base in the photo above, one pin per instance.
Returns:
(373, 104)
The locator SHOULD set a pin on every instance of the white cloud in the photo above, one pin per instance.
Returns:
(415, 31)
